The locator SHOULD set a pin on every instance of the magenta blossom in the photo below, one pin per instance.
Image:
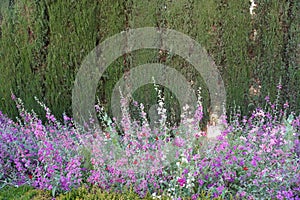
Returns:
(181, 182)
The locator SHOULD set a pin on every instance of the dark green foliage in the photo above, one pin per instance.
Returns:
(43, 43)
(73, 33)
(21, 43)
(277, 49)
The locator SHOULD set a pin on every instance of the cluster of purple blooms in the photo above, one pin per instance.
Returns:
(255, 157)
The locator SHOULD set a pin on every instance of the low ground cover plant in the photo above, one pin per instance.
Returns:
(92, 193)
(255, 157)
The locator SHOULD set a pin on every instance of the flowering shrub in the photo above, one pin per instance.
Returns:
(255, 157)
(138, 158)
(45, 157)
(261, 163)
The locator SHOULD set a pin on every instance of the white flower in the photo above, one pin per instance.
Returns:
(252, 7)
(186, 107)
(254, 34)
(189, 120)
(156, 196)
(161, 103)
(279, 178)
(184, 160)
(243, 138)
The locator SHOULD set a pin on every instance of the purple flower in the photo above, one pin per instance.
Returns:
(66, 118)
(201, 182)
(242, 194)
(279, 87)
(279, 196)
(288, 194)
(135, 103)
(198, 114)
(195, 196)
(181, 181)
(97, 107)
(185, 171)
(242, 163)
(267, 98)
(13, 97)
(253, 162)
(179, 142)
(220, 189)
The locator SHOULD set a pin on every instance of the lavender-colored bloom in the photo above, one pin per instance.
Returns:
(201, 182)
(198, 115)
(288, 194)
(267, 98)
(220, 189)
(13, 97)
(241, 163)
(273, 106)
(185, 171)
(179, 142)
(279, 196)
(242, 194)
(195, 196)
(279, 86)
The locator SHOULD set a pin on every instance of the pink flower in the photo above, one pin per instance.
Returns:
(279, 87)
(66, 118)
(13, 97)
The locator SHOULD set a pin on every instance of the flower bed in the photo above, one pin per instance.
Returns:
(255, 157)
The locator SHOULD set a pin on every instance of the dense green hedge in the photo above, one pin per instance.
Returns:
(43, 43)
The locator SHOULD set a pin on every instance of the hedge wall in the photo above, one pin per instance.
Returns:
(42, 45)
